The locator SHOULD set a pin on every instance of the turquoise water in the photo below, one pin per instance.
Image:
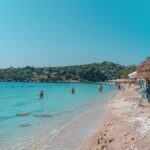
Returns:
(54, 110)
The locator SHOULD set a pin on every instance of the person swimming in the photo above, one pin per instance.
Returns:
(41, 94)
(73, 90)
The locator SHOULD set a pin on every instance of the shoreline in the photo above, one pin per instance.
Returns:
(115, 123)
(72, 135)
(125, 125)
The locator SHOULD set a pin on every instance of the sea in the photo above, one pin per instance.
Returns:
(28, 121)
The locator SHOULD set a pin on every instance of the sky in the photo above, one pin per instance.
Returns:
(69, 32)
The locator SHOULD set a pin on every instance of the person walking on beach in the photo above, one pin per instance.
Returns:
(100, 88)
(41, 94)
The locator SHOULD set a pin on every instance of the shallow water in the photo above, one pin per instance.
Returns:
(24, 116)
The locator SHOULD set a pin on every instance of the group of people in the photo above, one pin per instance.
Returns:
(100, 89)
(42, 93)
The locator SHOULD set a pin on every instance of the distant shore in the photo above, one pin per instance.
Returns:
(125, 126)
(55, 82)
(72, 81)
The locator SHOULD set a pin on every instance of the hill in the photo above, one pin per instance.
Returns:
(83, 73)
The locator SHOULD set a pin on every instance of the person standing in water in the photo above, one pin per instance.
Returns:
(73, 90)
(41, 94)
(119, 86)
(100, 88)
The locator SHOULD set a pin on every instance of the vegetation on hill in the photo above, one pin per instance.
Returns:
(89, 72)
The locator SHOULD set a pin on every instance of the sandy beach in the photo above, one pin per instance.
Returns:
(125, 125)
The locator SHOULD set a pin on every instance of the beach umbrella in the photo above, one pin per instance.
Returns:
(143, 70)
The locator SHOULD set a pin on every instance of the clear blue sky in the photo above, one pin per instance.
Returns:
(66, 32)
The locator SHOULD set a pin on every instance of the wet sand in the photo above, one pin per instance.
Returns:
(125, 125)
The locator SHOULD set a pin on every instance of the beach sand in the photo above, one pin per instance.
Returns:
(125, 125)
